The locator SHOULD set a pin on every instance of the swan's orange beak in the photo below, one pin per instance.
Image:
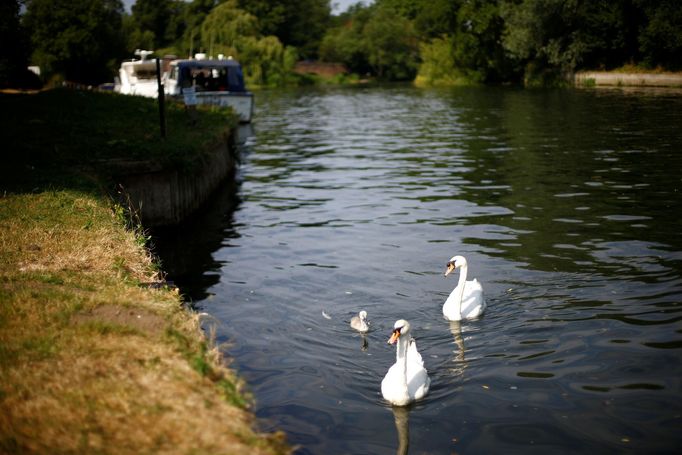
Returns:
(394, 336)
(450, 267)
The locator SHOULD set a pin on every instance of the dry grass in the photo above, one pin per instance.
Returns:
(93, 362)
(629, 68)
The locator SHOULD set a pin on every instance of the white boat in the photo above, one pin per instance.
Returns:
(209, 81)
(138, 77)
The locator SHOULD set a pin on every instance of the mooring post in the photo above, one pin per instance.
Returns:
(162, 100)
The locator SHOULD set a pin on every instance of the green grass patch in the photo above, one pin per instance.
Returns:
(108, 328)
(200, 359)
(589, 82)
(66, 138)
(83, 343)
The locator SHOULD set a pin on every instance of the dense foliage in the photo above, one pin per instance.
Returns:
(297, 23)
(14, 49)
(538, 42)
(79, 40)
(436, 41)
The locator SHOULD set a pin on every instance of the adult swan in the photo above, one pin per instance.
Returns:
(406, 380)
(466, 300)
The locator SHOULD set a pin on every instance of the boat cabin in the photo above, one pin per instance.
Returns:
(138, 77)
(215, 82)
(205, 76)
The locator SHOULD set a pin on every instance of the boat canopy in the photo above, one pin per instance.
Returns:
(209, 75)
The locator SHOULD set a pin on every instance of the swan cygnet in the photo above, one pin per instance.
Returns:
(360, 322)
(466, 300)
(407, 380)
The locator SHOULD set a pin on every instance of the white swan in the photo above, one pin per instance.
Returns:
(407, 379)
(466, 300)
(360, 322)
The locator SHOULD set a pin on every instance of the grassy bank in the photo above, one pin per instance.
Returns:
(96, 354)
(65, 136)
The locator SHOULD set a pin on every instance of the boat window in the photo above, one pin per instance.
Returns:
(145, 73)
(236, 80)
(209, 78)
(186, 79)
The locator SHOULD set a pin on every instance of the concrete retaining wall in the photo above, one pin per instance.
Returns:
(629, 79)
(165, 197)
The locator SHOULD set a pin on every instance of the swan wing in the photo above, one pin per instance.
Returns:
(393, 388)
(418, 380)
(358, 324)
(450, 310)
(473, 303)
(413, 355)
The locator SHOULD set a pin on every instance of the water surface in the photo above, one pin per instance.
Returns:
(566, 204)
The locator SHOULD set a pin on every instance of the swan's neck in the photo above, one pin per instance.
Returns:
(462, 281)
(401, 357)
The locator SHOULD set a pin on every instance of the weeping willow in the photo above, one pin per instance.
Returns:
(234, 32)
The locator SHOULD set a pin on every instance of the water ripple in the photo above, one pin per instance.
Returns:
(564, 203)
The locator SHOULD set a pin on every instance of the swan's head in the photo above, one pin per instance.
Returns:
(363, 315)
(453, 263)
(400, 328)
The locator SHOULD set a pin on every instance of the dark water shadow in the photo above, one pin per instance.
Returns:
(186, 251)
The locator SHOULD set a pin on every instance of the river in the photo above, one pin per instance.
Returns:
(566, 204)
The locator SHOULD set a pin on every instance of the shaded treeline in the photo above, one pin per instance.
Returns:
(85, 41)
(536, 42)
(494, 41)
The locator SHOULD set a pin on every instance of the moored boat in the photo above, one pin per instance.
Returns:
(138, 77)
(218, 82)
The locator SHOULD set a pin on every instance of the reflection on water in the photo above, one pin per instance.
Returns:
(364, 345)
(401, 416)
(564, 202)
(459, 359)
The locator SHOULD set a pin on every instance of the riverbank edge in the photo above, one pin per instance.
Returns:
(629, 79)
(163, 197)
(97, 352)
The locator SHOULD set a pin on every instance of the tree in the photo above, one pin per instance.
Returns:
(553, 38)
(345, 43)
(609, 32)
(193, 16)
(272, 15)
(391, 45)
(14, 48)
(269, 62)
(152, 16)
(298, 23)
(438, 64)
(136, 38)
(375, 39)
(544, 35)
(436, 18)
(661, 37)
(80, 40)
(226, 28)
(232, 31)
(431, 18)
(477, 42)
